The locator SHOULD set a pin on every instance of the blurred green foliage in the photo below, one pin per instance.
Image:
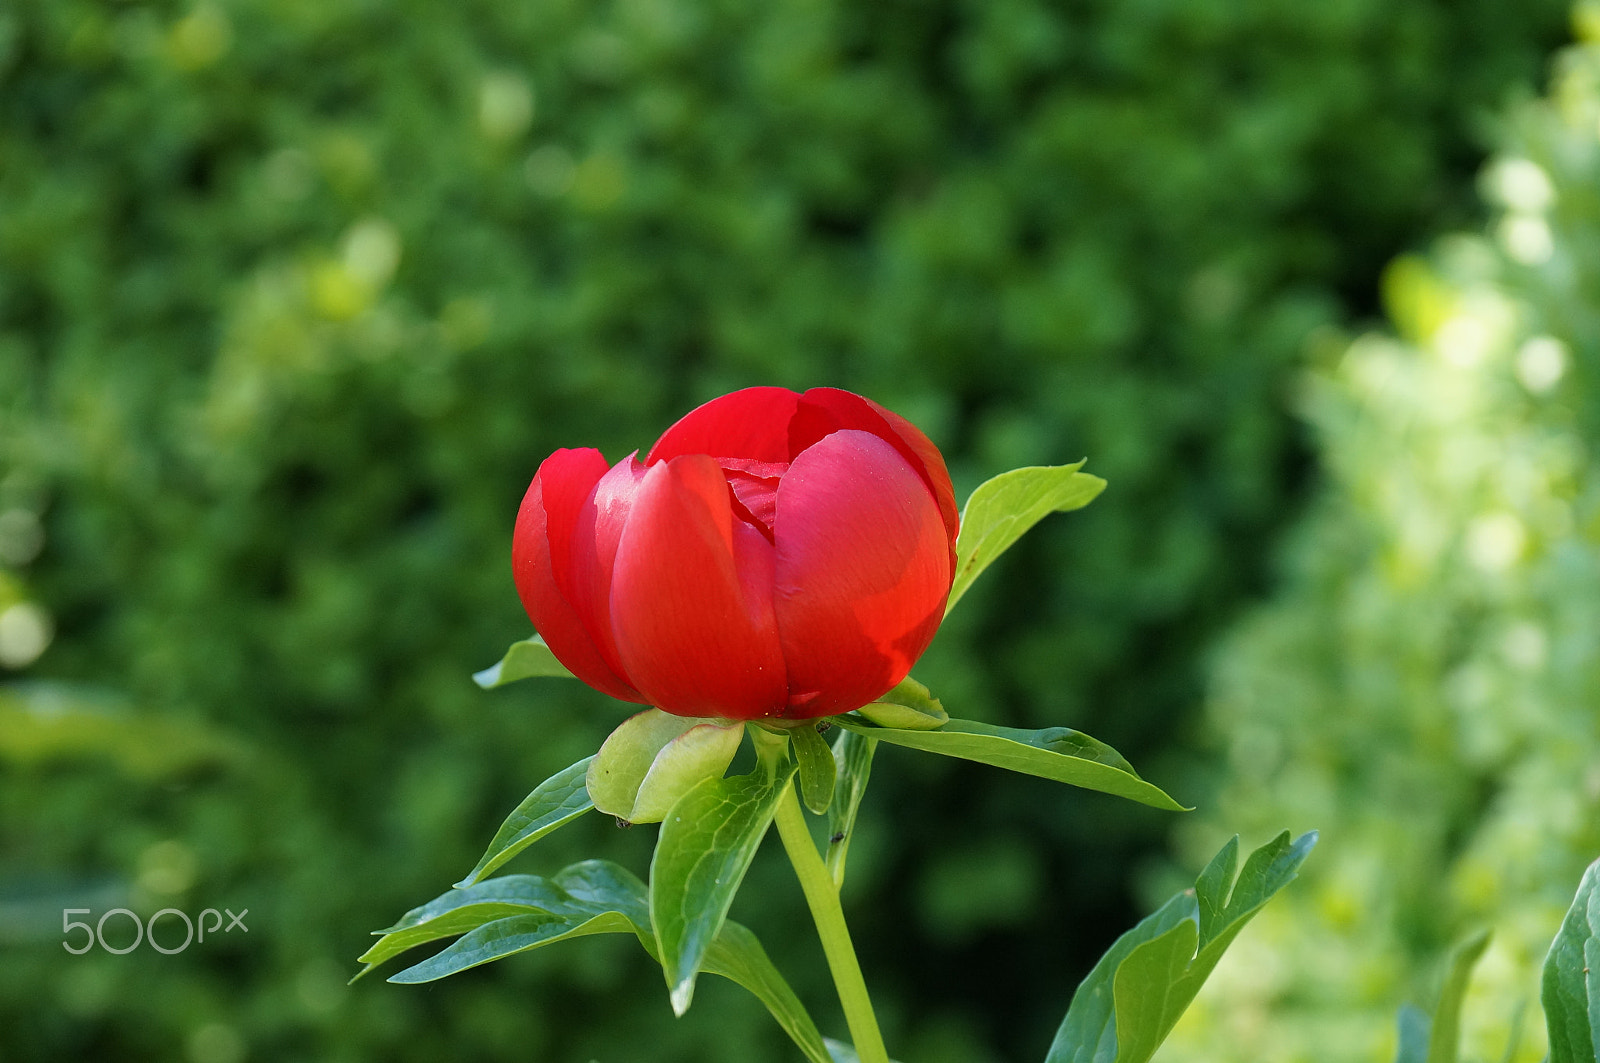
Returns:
(1424, 689)
(295, 294)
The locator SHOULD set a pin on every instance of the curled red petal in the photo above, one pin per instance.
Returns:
(863, 570)
(691, 598)
(753, 423)
(825, 410)
(548, 512)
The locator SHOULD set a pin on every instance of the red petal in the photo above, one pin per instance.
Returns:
(691, 598)
(549, 509)
(753, 423)
(598, 527)
(863, 571)
(825, 410)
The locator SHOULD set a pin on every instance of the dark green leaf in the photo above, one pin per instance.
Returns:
(707, 842)
(816, 768)
(1057, 753)
(515, 913)
(555, 802)
(852, 759)
(1128, 1004)
(1002, 509)
(524, 660)
(1571, 993)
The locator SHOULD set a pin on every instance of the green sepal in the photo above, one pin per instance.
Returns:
(816, 767)
(527, 659)
(909, 706)
(653, 758)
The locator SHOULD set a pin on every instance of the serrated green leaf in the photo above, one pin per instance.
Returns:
(1571, 981)
(1002, 509)
(555, 802)
(1128, 1004)
(1057, 753)
(527, 659)
(591, 897)
(706, 844)
(852, 760)
(816, 767)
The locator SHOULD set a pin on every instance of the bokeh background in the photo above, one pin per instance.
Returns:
(296, 294)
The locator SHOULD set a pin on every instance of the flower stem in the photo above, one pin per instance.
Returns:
(823, 900)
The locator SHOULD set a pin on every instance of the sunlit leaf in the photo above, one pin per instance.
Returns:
(909, 706)
(1571, 989)
(1132, 998)
(527, 659)
(1002, 509)
(555, 802)
(1057, 753)
(706, 844)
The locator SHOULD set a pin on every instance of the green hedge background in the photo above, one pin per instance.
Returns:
(295, 295)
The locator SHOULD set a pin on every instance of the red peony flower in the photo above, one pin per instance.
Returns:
(774, 555)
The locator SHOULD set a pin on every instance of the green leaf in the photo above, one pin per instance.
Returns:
(463, 910)
(737, 956)
(1058, 753)
(816, 767)
(1445, 1030)
(1128, 1004)
(852, 760)
(524, 660)
(909, 706)
(1571, 993)
(1002, 509)
(516, 913)
(653, 758)
(706, 844)
(555, 802)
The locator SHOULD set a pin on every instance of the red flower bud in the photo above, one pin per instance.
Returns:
(775, 554)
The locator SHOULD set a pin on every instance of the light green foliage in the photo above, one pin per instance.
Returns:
(527, 659)
(1130, 1001)
(1423, 688)
(653, 758)
(1001, 510)
(295, 295)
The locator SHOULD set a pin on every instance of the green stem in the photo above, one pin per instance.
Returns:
(823, 900)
